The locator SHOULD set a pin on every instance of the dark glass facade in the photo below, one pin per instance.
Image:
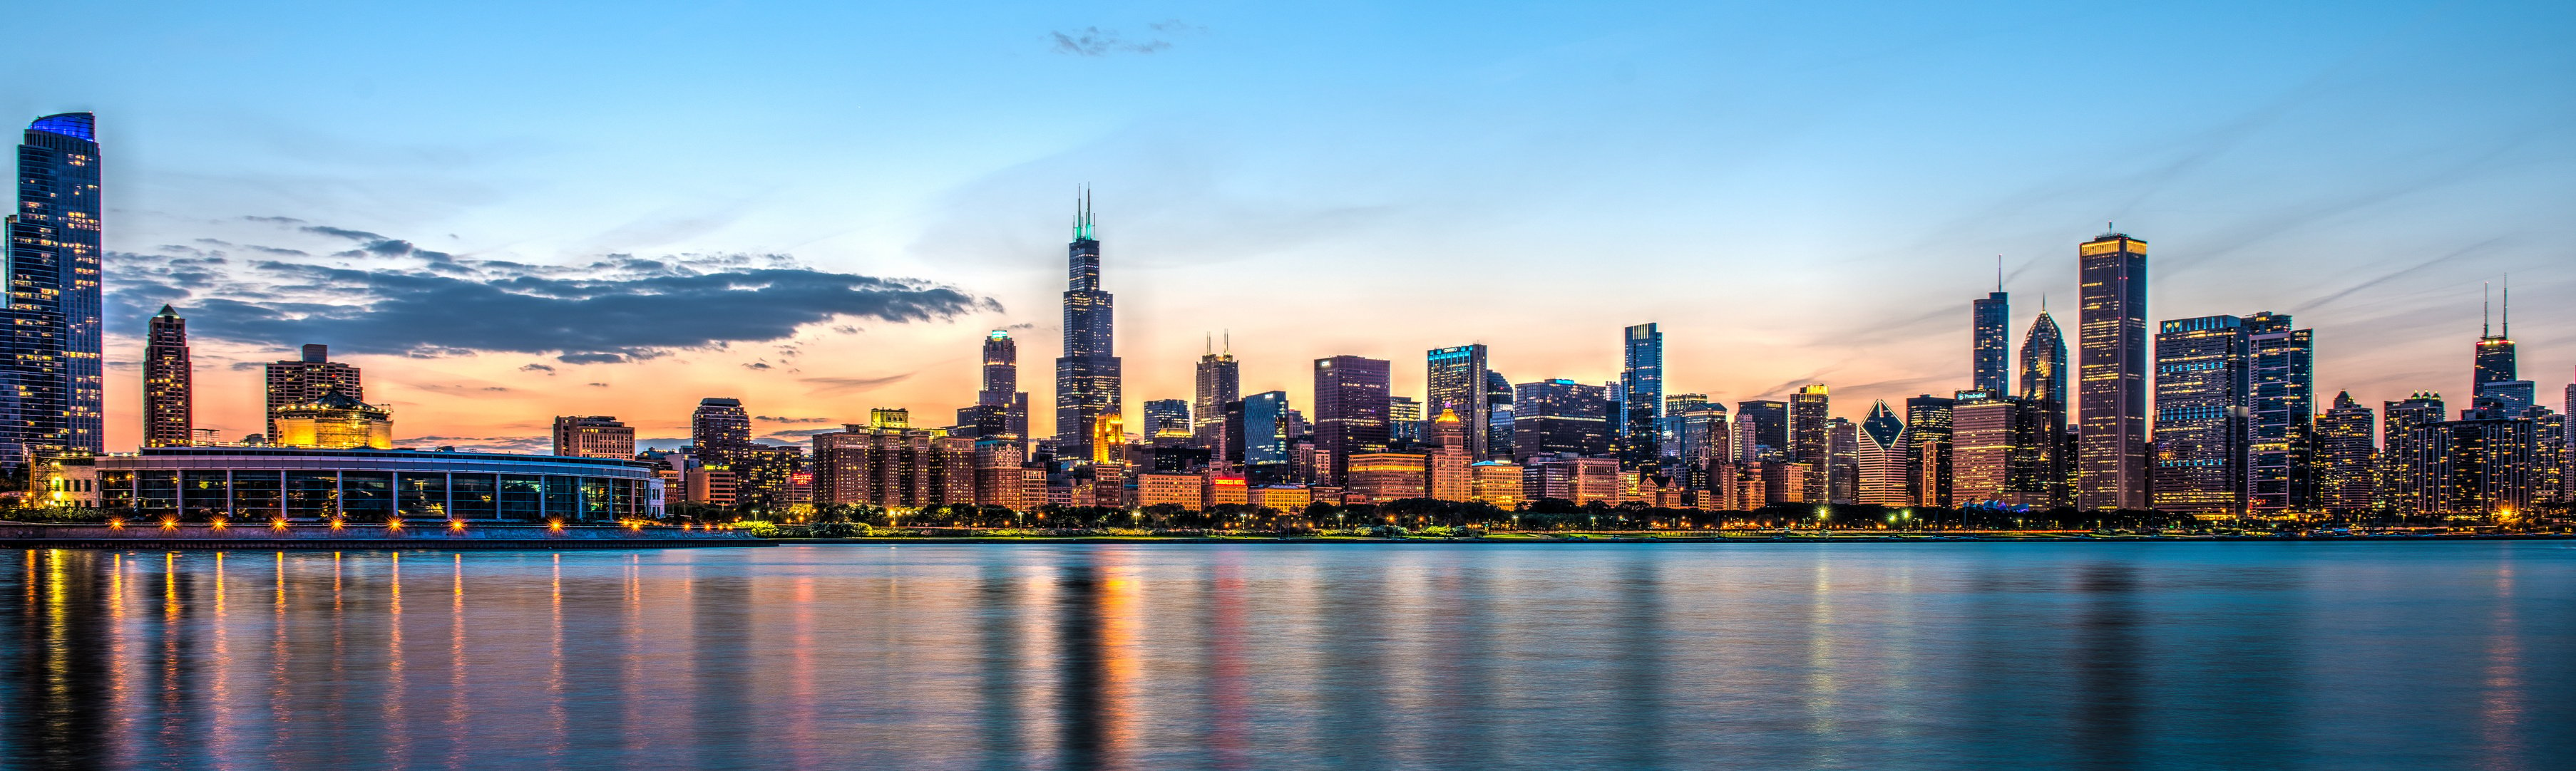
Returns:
(1560, 416)
(1641, 398)
(52, 272)
(1455, 381)
(2282, 405)
(2201, 383)
(1087, 376)
(1350, 411)
(1990, 342)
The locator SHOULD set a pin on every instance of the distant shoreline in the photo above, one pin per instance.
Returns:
(1649, 539)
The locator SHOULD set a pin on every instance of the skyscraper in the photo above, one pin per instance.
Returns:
(1641, 397)
(1556, 416)
(1765, 425)
(2281, 415)
(1403, 420)
(1002, 383)
(2111, 387)
(305, 379)
(2401, 438)
(168, 415)
(1675, 437)
(1498, 415)
(1265, 431)
(1350, 411)
(2043, 387)
(2495, 362)
(2200, 416)
(2347, 451)
(1881, 459)
(1928, 449)
(2495, 377)
(1166, 418)
(1220, 380)
(1457, 382)
(1990, 344)
(1087, 375)
(719, 422)
(1810, 437)
(53, 399)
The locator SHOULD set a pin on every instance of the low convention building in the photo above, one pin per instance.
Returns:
(358, 484)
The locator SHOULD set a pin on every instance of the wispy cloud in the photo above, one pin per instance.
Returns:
(1095, 41)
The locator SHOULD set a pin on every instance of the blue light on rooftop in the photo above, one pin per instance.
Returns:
(71, 124)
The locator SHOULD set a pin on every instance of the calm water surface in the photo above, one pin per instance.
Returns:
(1770, 656)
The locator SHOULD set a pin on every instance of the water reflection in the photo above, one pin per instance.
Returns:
(1973, 656)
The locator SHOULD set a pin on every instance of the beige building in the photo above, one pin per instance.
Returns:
(1496, 482)
(1388, 476)
(593, 436)
(892, 465)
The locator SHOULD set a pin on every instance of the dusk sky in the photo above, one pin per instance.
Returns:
(507, 211)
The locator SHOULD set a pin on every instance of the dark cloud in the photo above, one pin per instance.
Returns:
(599, 385)
(538, 368)
(793, 435)
(1094, 41)
(616, 309)
(273, 220)
(783, 419)
(756, 365)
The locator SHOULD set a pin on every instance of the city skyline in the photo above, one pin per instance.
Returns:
(1755, 185)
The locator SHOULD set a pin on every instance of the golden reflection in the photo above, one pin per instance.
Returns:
(458, 728)
(1121, 621)
(397, 741)
(220, 677)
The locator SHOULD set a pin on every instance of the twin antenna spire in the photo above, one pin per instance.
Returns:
(1229, 343)
(2486, 310)
(1084, 226)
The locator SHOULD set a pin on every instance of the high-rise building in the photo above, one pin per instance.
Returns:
(2480, 466)
(1002, 384)
(2401, 437)
(1450, 479)
(1765, 426)
(307, 378)
(2496, 377)
(1350, 410)
(333, 420)
(1220, 381)
(1928, 449)
(888, 463)
(2111, 374)
(719, 422)
(1990, 341)
(1842, 464)
(593, 436)
(1166, 418)
(1674, 406)
(1882, 459)
(1087, 379)
(1403, 420)
(54, 399)
(1996, 444)
(1498, 415)
(2495, 361)
(1553, 417)
(2043, 387)
(1707, 446)
(1810, 437)
(168, 413)
(2201, 416)
(1266, 430)
(1641, 397)
(2347, 455)
(1457, 382)
(2281, 402)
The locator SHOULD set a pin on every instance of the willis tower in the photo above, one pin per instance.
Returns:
(1086, 376)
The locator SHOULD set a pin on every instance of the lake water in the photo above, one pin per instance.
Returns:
(1756, 656)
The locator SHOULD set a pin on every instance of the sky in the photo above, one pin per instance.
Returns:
(505, 212)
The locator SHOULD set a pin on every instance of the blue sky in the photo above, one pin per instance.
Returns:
(1795, 192)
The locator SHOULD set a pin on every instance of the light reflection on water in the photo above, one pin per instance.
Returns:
(2234, 655)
